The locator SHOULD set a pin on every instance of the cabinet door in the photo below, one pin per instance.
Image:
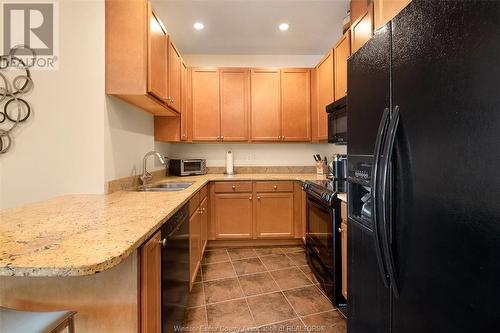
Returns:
(184, 103)
(358, 8)
(233, 215)
(235, 95)
(151, 285)
(341, 53)
(362, 29)
(157, 57)
(344, 258)
(205, 104)
(174, 77)
(295, 105)
(273, 215)
(385, 10)
(265, 105)
(204, 225)
(194, 244)
(325, 95)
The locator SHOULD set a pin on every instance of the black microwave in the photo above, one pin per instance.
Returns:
(337, 121)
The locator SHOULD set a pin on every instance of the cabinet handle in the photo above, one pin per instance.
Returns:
(258, 198)
(345, 91)
(275, 187)
(250, 198)
(234, 187)
(279, 137)
(222, 137)
(163, 242)
(283, 137)
(340, 230)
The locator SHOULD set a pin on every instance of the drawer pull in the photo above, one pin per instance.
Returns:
(234, 187)
(275, 187)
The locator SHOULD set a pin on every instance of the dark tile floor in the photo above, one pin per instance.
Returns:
(260, 289)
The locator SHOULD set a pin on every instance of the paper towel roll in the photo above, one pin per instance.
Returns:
(229, 163)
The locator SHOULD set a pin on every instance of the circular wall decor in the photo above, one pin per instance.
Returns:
(13, 109)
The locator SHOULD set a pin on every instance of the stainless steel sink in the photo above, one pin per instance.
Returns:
(166, 187)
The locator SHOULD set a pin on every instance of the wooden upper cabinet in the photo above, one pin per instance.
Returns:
(157, 56)
(341, 53)
(136, 56)
(325, 95)
(358, 8)
(295, 105)
(150, 272)
(185, 103)
(205, 104)
(273, 215)
(233, 215)
(362, 29)
(174, 86)
(234, 104)
(385, 10)
(265, 105)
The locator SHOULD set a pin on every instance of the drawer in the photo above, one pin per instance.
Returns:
(274, 186)
(232, 187)
(203, 192)
(194, 203)
(343, 211)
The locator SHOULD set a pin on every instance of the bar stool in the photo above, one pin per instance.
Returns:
(15, 321)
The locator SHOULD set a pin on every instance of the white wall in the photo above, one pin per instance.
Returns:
(78, 138)
(289, 154)
(252, 60)
(128, 136)
(59, 150)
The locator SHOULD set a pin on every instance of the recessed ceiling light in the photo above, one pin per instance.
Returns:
(198, 26)
(284, 26)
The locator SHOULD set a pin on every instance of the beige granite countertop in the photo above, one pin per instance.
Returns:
(76, 235)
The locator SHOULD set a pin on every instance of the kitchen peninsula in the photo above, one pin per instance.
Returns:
(82, 251)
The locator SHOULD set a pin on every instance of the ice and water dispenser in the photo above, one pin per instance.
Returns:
(359, 189)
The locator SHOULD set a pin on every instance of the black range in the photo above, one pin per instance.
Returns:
(323, 246)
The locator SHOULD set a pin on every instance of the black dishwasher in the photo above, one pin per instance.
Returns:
(175, 270)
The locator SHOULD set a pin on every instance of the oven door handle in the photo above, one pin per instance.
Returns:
(381, 133)
(386, 181)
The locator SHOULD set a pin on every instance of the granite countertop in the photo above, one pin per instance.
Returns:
(76, 235)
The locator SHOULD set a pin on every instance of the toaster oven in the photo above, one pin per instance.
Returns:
(187, 167)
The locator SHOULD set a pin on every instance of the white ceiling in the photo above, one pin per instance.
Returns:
(251, 27)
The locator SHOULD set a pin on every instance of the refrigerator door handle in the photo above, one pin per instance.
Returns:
(381, 133)
(385, 182)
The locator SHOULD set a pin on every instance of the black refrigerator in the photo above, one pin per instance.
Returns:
(424, 172)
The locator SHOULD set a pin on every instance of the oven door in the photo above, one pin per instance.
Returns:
(319, 236)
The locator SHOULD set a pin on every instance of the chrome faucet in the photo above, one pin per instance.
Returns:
(146, 176)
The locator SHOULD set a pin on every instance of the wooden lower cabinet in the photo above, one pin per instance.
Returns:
(204, 225)
(343, 242)
(150, 272)
(233, 215)
(194, 245)
(245, 210)
(273, 215)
